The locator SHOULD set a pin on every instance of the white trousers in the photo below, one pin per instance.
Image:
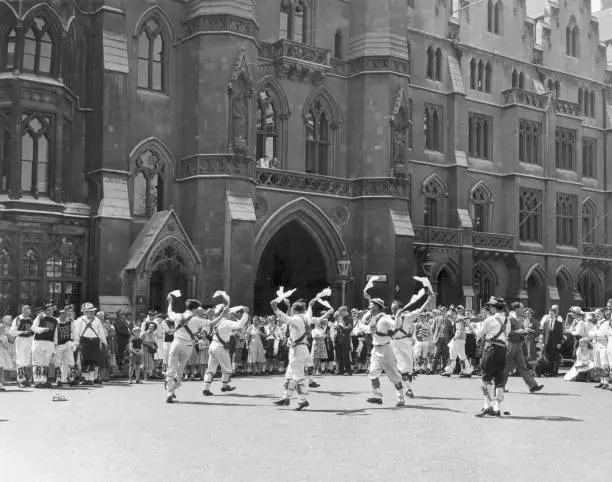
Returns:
(299, 360)
(403, 351)
(64, 356)
(423, 349)
(382, 359)
(42, 352)
(218, 355)
(167, 345)
(601, 356)
(23, 349)
(179, 355)
(457, 349)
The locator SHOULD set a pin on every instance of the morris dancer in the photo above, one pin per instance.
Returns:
(456, 348)
(601, 333)
(382, 358)
(182, 314)
(168, 329)
(494, 331)
(21, 330)
(43, 345)
(88, 334)
(299, 356)
(64, 351)
(403, 340)
(218, 351)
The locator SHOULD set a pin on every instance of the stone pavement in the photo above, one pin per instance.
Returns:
(127, 433)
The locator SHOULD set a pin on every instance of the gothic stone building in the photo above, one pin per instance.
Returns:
(241, 145)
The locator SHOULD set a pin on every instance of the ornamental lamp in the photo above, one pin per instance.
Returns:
(344, 266)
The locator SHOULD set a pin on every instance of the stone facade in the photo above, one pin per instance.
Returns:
(465, 142)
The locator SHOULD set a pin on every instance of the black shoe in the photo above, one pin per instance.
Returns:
(444, 374)
(227, 388)
(485, 412)
(59, 385)
(283, 402)
(409, 393)
(536, 388)
(22, 385)
(313, 384)
(375, 400)
(495, 413)
(39, 385)
(401, 403)
(465, 375)
(97, 381)
(599, 385)
(302, 405)
(170, 399)
(173, 395)
(207, 393)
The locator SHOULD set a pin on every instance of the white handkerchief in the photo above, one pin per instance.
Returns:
(236, 309)
(285, 295)
(425, 281)
(223, 295)
(324, 303)
(370, 283)
(176, 293)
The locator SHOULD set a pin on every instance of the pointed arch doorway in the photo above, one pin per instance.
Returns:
(291, 259)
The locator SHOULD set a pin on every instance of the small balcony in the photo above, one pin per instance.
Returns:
(492, 241)
(590, 250)
(303, 182)
(296, 59)
(524, 97)
(437, 235)
(566, 107)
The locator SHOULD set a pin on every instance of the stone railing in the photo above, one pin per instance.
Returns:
(437, 235)
(596, 250)
(290, 49)
(335, 186)
(492, 240)
(215, 165)
(299, 181)
(566, 107)
(524, 97)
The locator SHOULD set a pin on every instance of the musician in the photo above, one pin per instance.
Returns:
(21, 330)
(382, 357)
(494, 331)
(64, 351)
(403, 340)
(218, 352)
(181, 313)
(43, 345)
(295, 376)
(88, 334)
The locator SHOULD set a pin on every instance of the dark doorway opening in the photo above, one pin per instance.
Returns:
(536, 296)
(448, 290)
(163, 282)
(291, 259)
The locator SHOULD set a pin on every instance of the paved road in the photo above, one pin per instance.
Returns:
(127, 433)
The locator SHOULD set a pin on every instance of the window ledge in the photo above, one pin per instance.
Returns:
(434, 155)
(531, 245)
(567, 249)
(152, 93)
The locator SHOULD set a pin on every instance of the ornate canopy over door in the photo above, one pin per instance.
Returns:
(161, 259)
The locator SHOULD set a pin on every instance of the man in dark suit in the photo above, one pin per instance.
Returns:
(344, 327)
(552, 338)
(123, 331)
(442, 333)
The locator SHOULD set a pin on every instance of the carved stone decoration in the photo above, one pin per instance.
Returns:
(401, 128)
(220, 23)
(240, 68)
(240, 91)
(341, 215)
(378, 64)
(261, 207)
(215, 165)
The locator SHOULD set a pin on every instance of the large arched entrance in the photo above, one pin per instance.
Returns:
(292, 259)
(162, 282)
(566, 291)
(536, 292)
(590, 290)
(447, 289)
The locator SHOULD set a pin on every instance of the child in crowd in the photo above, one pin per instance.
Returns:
(584, 364)
(136, 359)
(149, 348)
(5, 356)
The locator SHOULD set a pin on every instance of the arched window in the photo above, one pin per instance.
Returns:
(433, 126)
(571, 38)
(482, 197)
(35, 155)
(484, 284)
(480, 75)
(530, 133)
(515, 79)
(521, 81)
(152, 57)
(490, 12)
(9, 49)
(493, 16)
(585, 102)
(557, 90)
(488, 77)
(566, 219)
(434, 192)
(530, 215)
(438, 65)
(267, 128)
(473, 74)
(589, 289)
(589, 219)
(592, 102)
(431, 63)
(479, 136)
(338, 44)
(317, 140)
(294, 21)
(148, 184)
(38, 48)
(550, 86)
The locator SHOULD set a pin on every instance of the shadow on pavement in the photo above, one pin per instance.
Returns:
(19, 390)
(542, 418)
(422, 397)
(220, 404)
(3, 420)
(545, 394)
(336, 394)
(363, 411)
(243, 395)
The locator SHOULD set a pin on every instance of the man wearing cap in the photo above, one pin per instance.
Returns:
(403, 340)
(552, 333)
(43, 345)
(494, 331)
(21, 329)
(64, 350)
(515, 358)
(382, 358)
(295, 376)
(88, 333)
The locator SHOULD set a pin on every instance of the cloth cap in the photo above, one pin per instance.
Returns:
(87, 307)
(497, 302)
(193, 304)
(152, 312)
(554, 307)
(576, 310)
(379, 302)
(46, 306)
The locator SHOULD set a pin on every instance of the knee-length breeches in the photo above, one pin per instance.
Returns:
(23, 350)
(382, 359)
(403, 351)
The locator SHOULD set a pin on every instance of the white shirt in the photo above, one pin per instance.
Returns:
(38, 330)
(194, 324)
(96, 330)
(384, 325)
(296, 324)
(226, 326)
(491, 326)
(600, 333)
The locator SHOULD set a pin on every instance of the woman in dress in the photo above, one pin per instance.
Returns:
(149, 349)
(5, 355)
(319, 349)
(584, 364)
(257, 353)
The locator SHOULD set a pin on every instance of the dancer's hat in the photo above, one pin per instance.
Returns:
(378, 302)
(496, 302)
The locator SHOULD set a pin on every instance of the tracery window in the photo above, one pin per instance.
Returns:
(482, 199)
(589, 220)
(589, 158)
(38, 48)
(571, 38)
(530, 215)
(35, 155)
(63, 272)
(565, 149)
(433, 127)
(566, 219)
(317, 139)
(493, 16)
(148, 189)
(152, 57)
(434, 193)
(530, 141)
(267, 126)
(479, 136)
